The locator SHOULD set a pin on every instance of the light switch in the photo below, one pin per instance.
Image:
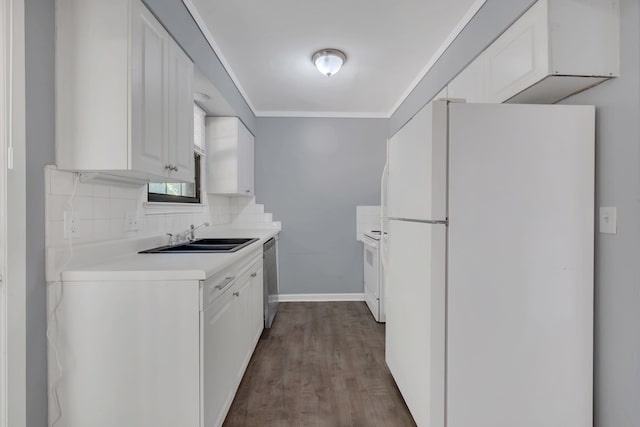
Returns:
(608, 220)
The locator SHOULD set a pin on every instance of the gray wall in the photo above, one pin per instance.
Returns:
(311, 173)
(617, 269)
(39, 23)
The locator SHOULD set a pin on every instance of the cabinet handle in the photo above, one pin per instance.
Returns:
(254, 274)
(226, 282)
(247, 191)
(175, 168)
(236, 294)
(169, 167)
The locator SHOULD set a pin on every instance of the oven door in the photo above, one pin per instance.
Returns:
(371, 287)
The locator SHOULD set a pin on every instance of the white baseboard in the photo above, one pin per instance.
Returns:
(319, 297)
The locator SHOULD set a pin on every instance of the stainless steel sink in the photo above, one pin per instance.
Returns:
(226, 245)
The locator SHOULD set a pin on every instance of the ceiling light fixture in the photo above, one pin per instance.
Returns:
(201, 97)
(329, 61)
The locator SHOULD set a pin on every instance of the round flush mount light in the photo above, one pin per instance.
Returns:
(201, 97)
(329, 61)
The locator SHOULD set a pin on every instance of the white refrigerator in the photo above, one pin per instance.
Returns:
(489, 258)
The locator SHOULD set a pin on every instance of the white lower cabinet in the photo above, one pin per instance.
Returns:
(218, 378)
(128, 352)
(142, 353)
(231, 328)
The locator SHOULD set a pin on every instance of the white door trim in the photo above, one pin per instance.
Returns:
(4, 131)
(12, 215)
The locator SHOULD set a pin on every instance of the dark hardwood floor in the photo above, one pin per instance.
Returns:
(321, 364)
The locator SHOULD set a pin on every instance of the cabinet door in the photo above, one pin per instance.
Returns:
(244, 323)
(222, 155)
(257, 303)
(149, 128)
(220, 358)
(250, 163)
(250, 320)
(241, 154)
(180, 120)
(245, 160)
(131, 354)
(519, 57)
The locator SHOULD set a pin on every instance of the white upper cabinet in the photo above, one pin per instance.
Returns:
(124, 103)
(230, 160)
(556, 49)
(181, 125)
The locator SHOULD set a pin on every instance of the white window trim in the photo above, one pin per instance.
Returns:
(12, 215)
(165, 208)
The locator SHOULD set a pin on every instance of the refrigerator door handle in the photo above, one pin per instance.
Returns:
(383, 206)
(423, 221)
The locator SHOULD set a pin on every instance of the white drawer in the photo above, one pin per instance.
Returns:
(220, 282)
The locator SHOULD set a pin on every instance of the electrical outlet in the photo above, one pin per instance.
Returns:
(131, 223)
(71, 224)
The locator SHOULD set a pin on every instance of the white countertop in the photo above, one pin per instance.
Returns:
(170, 266)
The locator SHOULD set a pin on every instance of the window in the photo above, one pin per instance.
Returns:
(176, 192)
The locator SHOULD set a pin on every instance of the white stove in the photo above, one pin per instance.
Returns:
(373, 275)
(374, 234)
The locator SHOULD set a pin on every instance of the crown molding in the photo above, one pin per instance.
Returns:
(323, 114)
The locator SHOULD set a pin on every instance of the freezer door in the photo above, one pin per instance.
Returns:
(520, 293)
(415, 315)
(417, 164)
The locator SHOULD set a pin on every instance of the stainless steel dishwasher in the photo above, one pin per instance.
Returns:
(270, 264)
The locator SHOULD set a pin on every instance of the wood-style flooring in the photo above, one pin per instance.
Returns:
(321, 364)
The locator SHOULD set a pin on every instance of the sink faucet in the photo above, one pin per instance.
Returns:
(190, 233)
(172, 239)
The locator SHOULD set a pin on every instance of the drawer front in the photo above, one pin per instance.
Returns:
(220, 282)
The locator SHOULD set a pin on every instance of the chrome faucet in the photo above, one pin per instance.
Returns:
(190, 233)
(172, 239)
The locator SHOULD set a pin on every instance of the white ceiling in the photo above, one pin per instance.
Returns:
(266, 46)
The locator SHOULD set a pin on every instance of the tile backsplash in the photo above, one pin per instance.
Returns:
(114, 211)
